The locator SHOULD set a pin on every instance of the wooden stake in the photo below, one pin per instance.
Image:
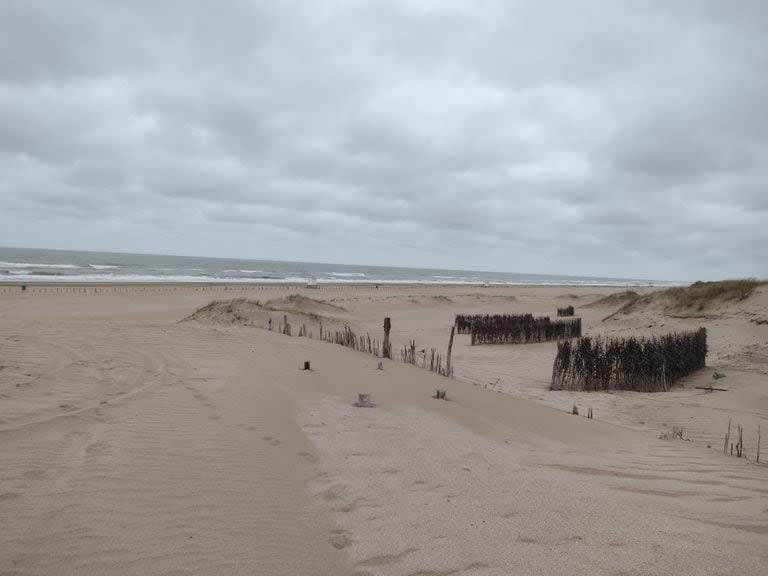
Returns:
(448, 367)
(363, 401)
(386, 347)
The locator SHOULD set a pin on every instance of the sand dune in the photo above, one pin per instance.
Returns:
(300, 312)
(134, 443)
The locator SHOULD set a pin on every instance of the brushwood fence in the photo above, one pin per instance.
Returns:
(639, 364)
(521, 329)
(463, 322)
(567, 311)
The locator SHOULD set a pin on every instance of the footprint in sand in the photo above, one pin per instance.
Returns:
(335, 492)
(340, 539)
(311, 458)
(33, 474)
(386, 559)
(94, 449)
(271, 441)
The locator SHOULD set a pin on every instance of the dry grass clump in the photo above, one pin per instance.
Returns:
(677, 433)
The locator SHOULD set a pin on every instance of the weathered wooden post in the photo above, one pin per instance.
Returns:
(448, 369)
(386, 347)
(306, 365)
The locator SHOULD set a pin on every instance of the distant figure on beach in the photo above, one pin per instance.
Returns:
(23, 287)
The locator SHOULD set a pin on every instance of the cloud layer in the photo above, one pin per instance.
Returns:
(621, 138)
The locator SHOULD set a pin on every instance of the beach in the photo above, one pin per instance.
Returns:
(140, 437)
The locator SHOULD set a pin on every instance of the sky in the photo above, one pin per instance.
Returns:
(622, 138)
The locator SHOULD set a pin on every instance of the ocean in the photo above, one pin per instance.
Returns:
(29, 265)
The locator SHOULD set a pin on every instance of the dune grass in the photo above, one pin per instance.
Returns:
(698, 297)
(615, 299)
(701, 295)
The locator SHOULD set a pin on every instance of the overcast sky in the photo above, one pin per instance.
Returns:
(598, 138)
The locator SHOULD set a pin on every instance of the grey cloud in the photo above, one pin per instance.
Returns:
(601, 138)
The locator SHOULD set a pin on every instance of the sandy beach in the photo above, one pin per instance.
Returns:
(137, 437)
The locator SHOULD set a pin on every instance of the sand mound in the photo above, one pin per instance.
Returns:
(701, 296)
(299, 310)
(299, 304)
(700, 299)
(236, 311)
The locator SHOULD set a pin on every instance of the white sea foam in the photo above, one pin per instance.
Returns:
(145, 278)
(9, 265)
